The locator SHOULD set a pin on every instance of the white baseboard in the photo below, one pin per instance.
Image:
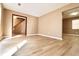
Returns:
(45, 36)
(40, 35)
(72, 34)
(50, 36)
(8, 37)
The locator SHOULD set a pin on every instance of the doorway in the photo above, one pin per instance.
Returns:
(71, 26)
(19, 25)
(71, 22)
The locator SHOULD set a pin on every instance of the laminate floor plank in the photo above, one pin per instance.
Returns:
(43, 46)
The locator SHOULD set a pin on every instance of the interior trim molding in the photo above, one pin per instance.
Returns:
(50, 36)
(45, 36)
(7, 37)
(72, 34)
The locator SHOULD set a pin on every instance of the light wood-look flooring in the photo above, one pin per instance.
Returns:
(43, 46)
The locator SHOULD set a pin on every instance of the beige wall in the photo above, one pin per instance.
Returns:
(1, 13)
(0, 20)
(31, 23)
(51, 23)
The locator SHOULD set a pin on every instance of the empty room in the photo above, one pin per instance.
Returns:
(39, 29)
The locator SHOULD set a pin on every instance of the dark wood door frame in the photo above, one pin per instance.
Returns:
(25, 23)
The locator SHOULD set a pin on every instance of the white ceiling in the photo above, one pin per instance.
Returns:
(34, 9)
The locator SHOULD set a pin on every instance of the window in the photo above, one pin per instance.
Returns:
(75, 24)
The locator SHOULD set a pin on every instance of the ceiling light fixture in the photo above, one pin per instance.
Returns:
(74, 13)
(19, 4)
